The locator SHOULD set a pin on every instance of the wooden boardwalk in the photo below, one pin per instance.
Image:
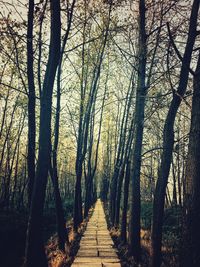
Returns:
(96, 246)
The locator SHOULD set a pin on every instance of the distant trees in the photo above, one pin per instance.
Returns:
(13, 120)
(88, 96)
(123, 148)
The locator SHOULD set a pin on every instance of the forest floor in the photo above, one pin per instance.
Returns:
(13, 226)
(94, 229)
(170, 253)
(12, 235)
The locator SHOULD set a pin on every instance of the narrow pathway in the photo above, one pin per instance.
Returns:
(96, 246)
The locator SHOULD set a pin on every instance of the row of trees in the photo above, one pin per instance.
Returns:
(100, 105)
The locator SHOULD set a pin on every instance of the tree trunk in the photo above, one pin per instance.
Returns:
(134, 234)
(120, 156)
(191, 245)
(118, 196)
(61, 223)
(125, 150)
(125, 203)
(174, 194)
(78, 216)
(31, 104)
(35, 254)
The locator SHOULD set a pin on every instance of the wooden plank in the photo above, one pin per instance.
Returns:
(96, 246)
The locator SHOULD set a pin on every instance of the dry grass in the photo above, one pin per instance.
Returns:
(169, 259)
(58, 258)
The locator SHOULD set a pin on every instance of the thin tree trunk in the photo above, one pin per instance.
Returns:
(9, 173)
(134, 234)
(8, 133)
(88, 201)
(174, 197)
(4, 112)
(125, 204)
(120, 155)
(125, 152)
(15, 177)
(31, 104)
(61, 223)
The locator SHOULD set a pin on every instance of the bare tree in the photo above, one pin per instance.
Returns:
(61, 224)
(35, 254)
(134, 234)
